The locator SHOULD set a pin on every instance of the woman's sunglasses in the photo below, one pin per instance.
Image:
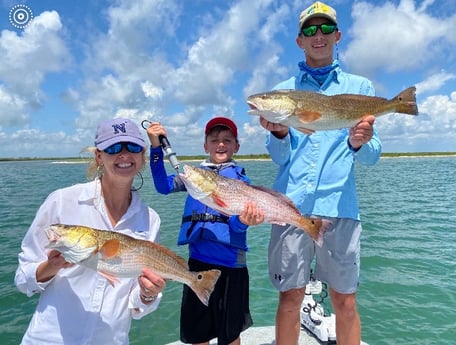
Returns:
(311, 30)
(116, 148)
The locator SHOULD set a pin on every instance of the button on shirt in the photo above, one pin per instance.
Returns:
(78, 306)
(317, 171)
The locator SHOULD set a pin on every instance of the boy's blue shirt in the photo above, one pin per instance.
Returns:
(317, 171)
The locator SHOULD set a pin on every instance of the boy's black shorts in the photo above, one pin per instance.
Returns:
(228, 313)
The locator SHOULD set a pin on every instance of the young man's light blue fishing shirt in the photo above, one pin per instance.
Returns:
(317, 171)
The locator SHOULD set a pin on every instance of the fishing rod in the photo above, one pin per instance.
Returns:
(166, 146)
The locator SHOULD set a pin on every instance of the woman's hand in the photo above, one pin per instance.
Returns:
(150, 285)
(48, 269)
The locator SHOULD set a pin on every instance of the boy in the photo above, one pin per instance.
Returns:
(215, 241)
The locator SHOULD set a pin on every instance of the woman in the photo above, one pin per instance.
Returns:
(77, 305)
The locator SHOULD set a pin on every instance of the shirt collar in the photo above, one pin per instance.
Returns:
(92, 194)
(218, 166)
(333, 76)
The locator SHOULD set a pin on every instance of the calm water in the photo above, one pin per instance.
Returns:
(408, 267)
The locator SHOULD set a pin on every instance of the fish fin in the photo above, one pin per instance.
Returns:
(315, 228)
(218, 201)
(276, 194)
(278, 223)
(280, 198)
(266, 189)
(306, 131)
(204, 284)
(110, 248)
(406, 102)
(112, 279)
(306, 116)
(350, 97)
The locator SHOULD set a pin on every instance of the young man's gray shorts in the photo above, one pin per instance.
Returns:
(291, 252)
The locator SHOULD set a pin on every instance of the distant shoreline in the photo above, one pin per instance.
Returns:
(251, 157)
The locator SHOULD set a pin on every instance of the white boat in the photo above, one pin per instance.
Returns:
(318, 327)
(264, 336)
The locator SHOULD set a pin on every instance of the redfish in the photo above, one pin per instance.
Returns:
(229, 197)
(309, 111)
(116, 255)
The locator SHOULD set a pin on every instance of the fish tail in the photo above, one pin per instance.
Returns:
(204, 284)
(406, 102)
(315, 228)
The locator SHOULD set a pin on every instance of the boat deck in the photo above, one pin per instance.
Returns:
(266, 336)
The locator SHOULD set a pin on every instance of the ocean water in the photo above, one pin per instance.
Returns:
(408, 258)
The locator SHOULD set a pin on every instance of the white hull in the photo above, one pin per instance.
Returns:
(266, 336)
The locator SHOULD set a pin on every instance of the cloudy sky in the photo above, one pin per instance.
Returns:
(66, 65)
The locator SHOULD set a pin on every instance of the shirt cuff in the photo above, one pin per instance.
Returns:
(32, 285)
(236, 224)
(352, 148)
(138, 308)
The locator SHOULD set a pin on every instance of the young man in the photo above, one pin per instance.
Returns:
(215, 240)
(317, 172)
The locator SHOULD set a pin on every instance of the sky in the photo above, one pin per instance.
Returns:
(67, 65)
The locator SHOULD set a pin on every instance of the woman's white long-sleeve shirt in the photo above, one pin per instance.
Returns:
(79, 306)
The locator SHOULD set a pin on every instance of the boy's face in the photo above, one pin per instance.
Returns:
(221, 145)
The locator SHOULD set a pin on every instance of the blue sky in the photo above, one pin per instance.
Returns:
(182, 62)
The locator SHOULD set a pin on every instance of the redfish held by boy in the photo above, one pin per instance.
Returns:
(309, 111)
(229, 196)
(115, 255)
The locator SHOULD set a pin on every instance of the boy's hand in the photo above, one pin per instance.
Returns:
(251, 215)
(155, 129)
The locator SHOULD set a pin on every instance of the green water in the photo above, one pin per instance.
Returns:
(408, 259)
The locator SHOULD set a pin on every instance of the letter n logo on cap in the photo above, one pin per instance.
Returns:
(119, 127)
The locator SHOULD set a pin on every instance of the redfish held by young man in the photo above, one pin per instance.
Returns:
(229, 196)
(309, 111)
(115, 255)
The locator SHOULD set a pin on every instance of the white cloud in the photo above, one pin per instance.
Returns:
(396, 38)
(151, 91)
(441, 110)
(27, 58)
(12, 109)
(434, 82)
(435, 124)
